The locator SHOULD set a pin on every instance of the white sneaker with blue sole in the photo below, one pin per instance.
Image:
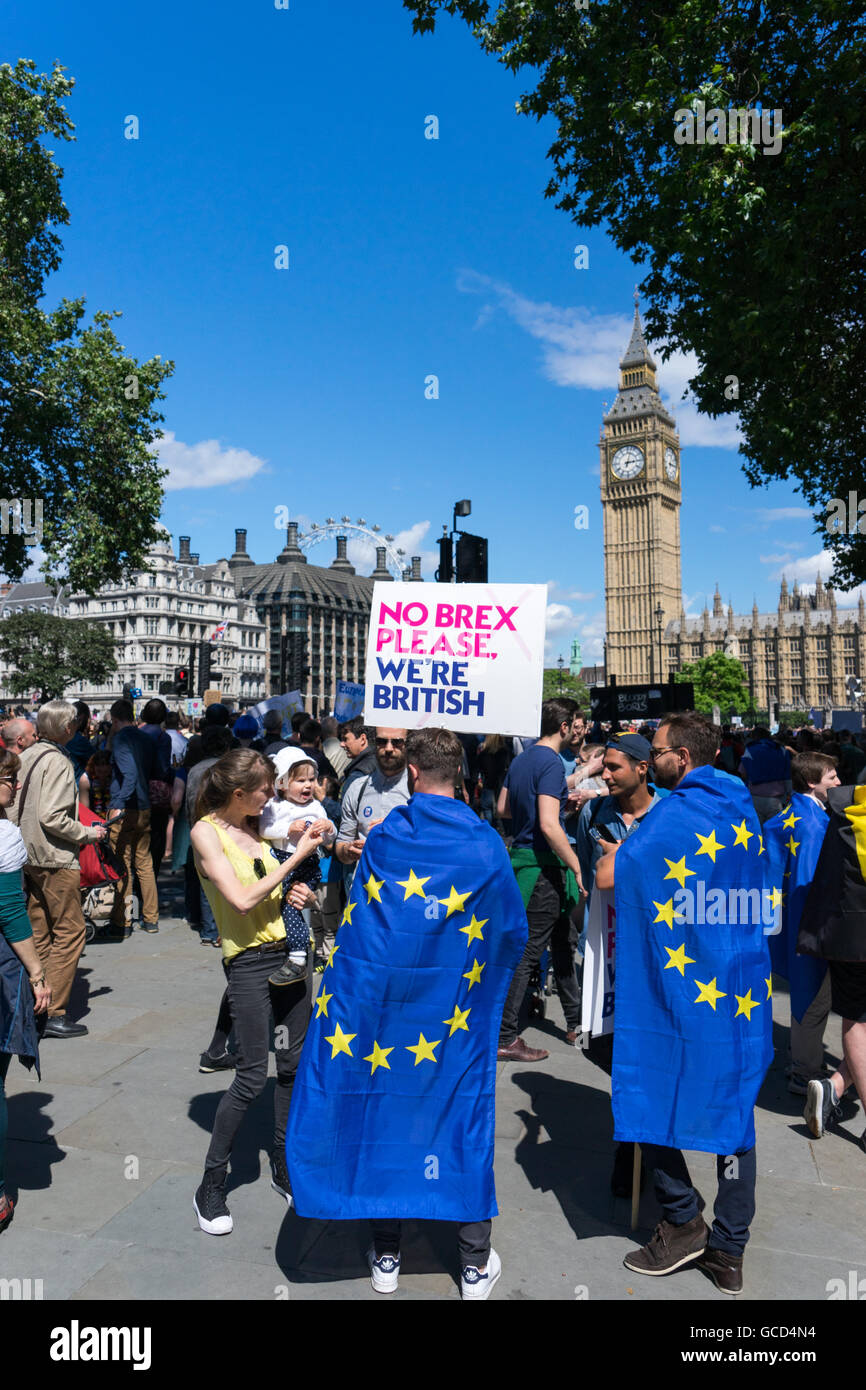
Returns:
(474, 1284)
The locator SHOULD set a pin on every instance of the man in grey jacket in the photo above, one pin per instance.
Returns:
(46, 811)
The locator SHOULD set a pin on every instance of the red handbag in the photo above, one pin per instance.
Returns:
(97, 863)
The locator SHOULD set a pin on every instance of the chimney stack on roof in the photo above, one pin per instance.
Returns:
(381, 572)
(341, 560)
(183, 554)
(240, 556)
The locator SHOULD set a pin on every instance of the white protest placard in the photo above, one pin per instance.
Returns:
(599, 965)
(466, 656)
(349, 701)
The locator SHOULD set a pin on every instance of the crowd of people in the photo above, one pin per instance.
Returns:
(269, 825)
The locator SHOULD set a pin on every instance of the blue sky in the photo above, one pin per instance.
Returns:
(408, 257)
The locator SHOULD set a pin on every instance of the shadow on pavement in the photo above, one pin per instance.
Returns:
(32, 1148)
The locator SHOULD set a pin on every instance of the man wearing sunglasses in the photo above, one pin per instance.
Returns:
(368, 799)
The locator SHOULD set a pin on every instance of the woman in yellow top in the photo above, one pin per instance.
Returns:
(242, 881)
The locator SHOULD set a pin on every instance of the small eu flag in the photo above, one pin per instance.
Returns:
(392, 1113)
(693, 1025)
(793, 840)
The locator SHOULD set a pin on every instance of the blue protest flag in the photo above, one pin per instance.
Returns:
(693, 1021)
(793, 840)
(392, 1112)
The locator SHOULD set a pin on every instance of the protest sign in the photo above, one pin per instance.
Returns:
(467, 656)
(289, 704)
(349, 701)
(599, 965)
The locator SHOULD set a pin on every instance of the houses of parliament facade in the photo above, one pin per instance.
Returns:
(798, 656)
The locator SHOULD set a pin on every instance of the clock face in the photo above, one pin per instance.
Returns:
(671, 464)
(627, 462)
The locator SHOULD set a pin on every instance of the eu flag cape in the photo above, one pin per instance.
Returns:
(793, 841)
(392, 1113)
(693, 1021)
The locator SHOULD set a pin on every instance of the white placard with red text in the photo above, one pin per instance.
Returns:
(469, 657)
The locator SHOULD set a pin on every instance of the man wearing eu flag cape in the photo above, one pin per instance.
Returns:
(393, 1108)
(693, 1020)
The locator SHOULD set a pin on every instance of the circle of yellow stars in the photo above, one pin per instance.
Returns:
(710, 845)
(424, 1050)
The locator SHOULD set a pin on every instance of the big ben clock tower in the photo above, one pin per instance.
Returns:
(640, 500)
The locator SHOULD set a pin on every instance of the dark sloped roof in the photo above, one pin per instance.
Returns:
(318, 585)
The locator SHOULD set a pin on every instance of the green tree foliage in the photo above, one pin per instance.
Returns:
(752, 261)
(718, 680)
(77, 412)
(49, 654)
(572, 688)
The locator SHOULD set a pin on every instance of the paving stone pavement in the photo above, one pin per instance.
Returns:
(106, 1152)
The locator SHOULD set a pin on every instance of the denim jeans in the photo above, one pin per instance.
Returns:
(208, 931)
(252, 1000)
(735, 1200)
(549, 923)
(473, 1240)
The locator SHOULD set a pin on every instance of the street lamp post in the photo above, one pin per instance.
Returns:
(560, 663)
(659, 620)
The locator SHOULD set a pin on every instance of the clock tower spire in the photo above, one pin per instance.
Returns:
(640, 498)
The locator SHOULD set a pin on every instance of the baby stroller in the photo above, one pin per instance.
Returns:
(101, 871)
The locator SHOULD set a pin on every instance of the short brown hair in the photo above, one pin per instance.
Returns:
(693, 732)
(807, 769)
(122, 710)
(438, 753)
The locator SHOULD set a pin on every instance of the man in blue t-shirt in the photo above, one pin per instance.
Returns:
(535, 796)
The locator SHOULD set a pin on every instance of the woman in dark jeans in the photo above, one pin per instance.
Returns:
(18, 1003)
(242, 880)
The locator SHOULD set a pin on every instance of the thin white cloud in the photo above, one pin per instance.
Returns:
(720, 530)
(582, 349)
(782, 513)
(782, 559)
(205, 464)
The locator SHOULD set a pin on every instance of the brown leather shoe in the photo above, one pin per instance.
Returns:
(573, 1037)
(670, 1248)
(726, 1271)
(519, 1052)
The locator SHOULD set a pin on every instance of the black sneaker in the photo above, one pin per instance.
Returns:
(289, 974)
(150, 927)
(822, 1110)
(280, 1177)
(209, 1202)
(225, 1063)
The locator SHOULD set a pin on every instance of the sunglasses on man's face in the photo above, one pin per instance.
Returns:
(398, 744)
